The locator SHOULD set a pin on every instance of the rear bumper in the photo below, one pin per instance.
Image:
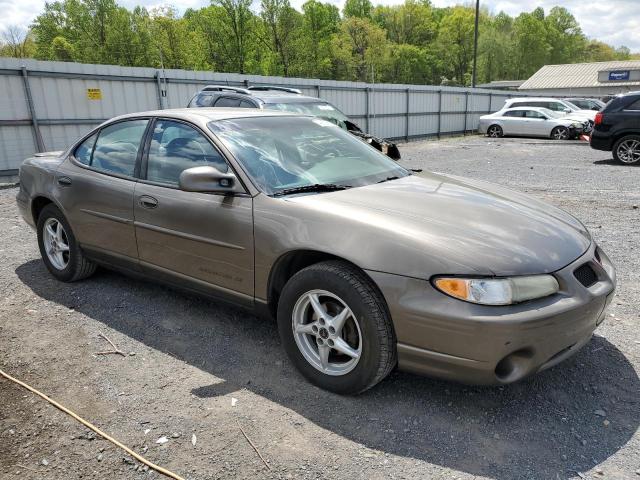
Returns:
(599, 141)
(474, 344)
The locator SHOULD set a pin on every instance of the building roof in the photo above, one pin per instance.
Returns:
(579, 75)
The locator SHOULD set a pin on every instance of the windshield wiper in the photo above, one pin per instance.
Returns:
(388, 179)
(316, 187)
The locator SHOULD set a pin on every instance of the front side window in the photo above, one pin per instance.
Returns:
(634, 106)
(283, 152)
(117, 147)
(85, 149)
(175, 147)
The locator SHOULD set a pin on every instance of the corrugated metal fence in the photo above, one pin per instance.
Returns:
(47, 105)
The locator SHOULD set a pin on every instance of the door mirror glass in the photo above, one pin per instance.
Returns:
(208, 179)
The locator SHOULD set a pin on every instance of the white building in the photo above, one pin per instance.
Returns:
(585, 79)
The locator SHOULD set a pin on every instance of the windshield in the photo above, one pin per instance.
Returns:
(317, 109)
(280, 153)
(571, 105)
(551, 113)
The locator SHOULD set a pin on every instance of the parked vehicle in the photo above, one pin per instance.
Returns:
(617, 128)
(364, 264)
(556, 105)
(586, 103)
(287, 100)
(530, 122)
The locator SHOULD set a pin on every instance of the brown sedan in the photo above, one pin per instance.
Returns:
(365, 264)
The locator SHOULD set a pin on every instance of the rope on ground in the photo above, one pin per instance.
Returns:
(90, 426)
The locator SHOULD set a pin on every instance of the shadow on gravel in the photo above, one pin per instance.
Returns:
(614, 163)
(544, 427)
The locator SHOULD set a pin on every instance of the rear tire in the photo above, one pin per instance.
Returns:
(627, 150)
(309, 305)
(59, 248)
(560, 133)
(495, 131)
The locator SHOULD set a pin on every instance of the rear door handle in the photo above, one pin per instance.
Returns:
(64, 181)
(147, 201)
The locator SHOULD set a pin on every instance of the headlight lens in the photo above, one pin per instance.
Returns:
(576, 125)
(498, 291)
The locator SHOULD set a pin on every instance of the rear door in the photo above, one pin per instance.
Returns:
(200, 239)
(96, 186)
(512, 122)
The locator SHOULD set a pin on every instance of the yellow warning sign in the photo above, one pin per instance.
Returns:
(94, 94)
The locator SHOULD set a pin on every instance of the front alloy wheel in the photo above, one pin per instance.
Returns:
(326, 332)
(335, 327)
(560, 133)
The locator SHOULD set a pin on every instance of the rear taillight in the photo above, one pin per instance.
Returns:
(599, 118)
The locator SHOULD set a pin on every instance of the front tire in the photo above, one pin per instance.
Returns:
(627, 150)
(560, 133)
(59, 249)
(336, 329)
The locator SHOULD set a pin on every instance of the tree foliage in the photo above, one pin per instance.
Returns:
(413, 42)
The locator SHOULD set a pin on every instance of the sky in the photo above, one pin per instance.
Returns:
(616, 22)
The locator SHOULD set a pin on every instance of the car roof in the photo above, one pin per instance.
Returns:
(533, 99)
(268, 95)
(205, 115)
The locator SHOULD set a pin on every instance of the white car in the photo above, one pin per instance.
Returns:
(564, 107)
(531, 121)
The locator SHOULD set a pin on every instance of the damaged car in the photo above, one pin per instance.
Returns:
(531, 122)
(287, 100)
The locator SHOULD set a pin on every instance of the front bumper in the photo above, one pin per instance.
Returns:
(484, 345)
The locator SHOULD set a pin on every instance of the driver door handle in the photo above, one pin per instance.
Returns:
(147, 201)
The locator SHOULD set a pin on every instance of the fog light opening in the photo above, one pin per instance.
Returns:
(514, 366)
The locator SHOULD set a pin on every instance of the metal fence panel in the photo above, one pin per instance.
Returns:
(47, 105)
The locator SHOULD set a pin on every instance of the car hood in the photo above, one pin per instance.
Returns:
(453, 225)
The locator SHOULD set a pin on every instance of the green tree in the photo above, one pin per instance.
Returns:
(360, 50)
(320, 22)
(280, 26)
(455, 42)
(357, 8)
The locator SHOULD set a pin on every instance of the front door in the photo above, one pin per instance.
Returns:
(96, 186)
(204, 240)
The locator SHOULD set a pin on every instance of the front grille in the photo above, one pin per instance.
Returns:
(586, 275)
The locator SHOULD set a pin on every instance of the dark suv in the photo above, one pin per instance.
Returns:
(617, 128)
(288, 100)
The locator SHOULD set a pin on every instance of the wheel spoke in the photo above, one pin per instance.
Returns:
(51, 231)
(59, 231)
(338, 321)
(59, 258)
(63, 248)
(343, 347)
(305, 328)
(321, 313)
(323, 351)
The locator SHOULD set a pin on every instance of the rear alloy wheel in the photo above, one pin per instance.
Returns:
(335, 328)
(627, 149)
(560, 133)
(495, 131)
(59, 249)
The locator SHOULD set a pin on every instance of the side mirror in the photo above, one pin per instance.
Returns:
(566, 110)
(208, 179)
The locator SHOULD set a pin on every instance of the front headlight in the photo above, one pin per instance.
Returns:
(576, 125)
(498, 291)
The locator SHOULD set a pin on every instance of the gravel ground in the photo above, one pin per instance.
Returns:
(194, 367)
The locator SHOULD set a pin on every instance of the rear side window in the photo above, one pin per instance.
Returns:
(85, 149)
(246, 104)
(202, 100)
(228, 102)
(117, 147)
(634, 106)
(514, 113)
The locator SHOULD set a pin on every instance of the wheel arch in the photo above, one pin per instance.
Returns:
(37, 205)
(290, 263)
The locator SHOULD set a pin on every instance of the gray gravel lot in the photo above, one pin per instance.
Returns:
(190, 357)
